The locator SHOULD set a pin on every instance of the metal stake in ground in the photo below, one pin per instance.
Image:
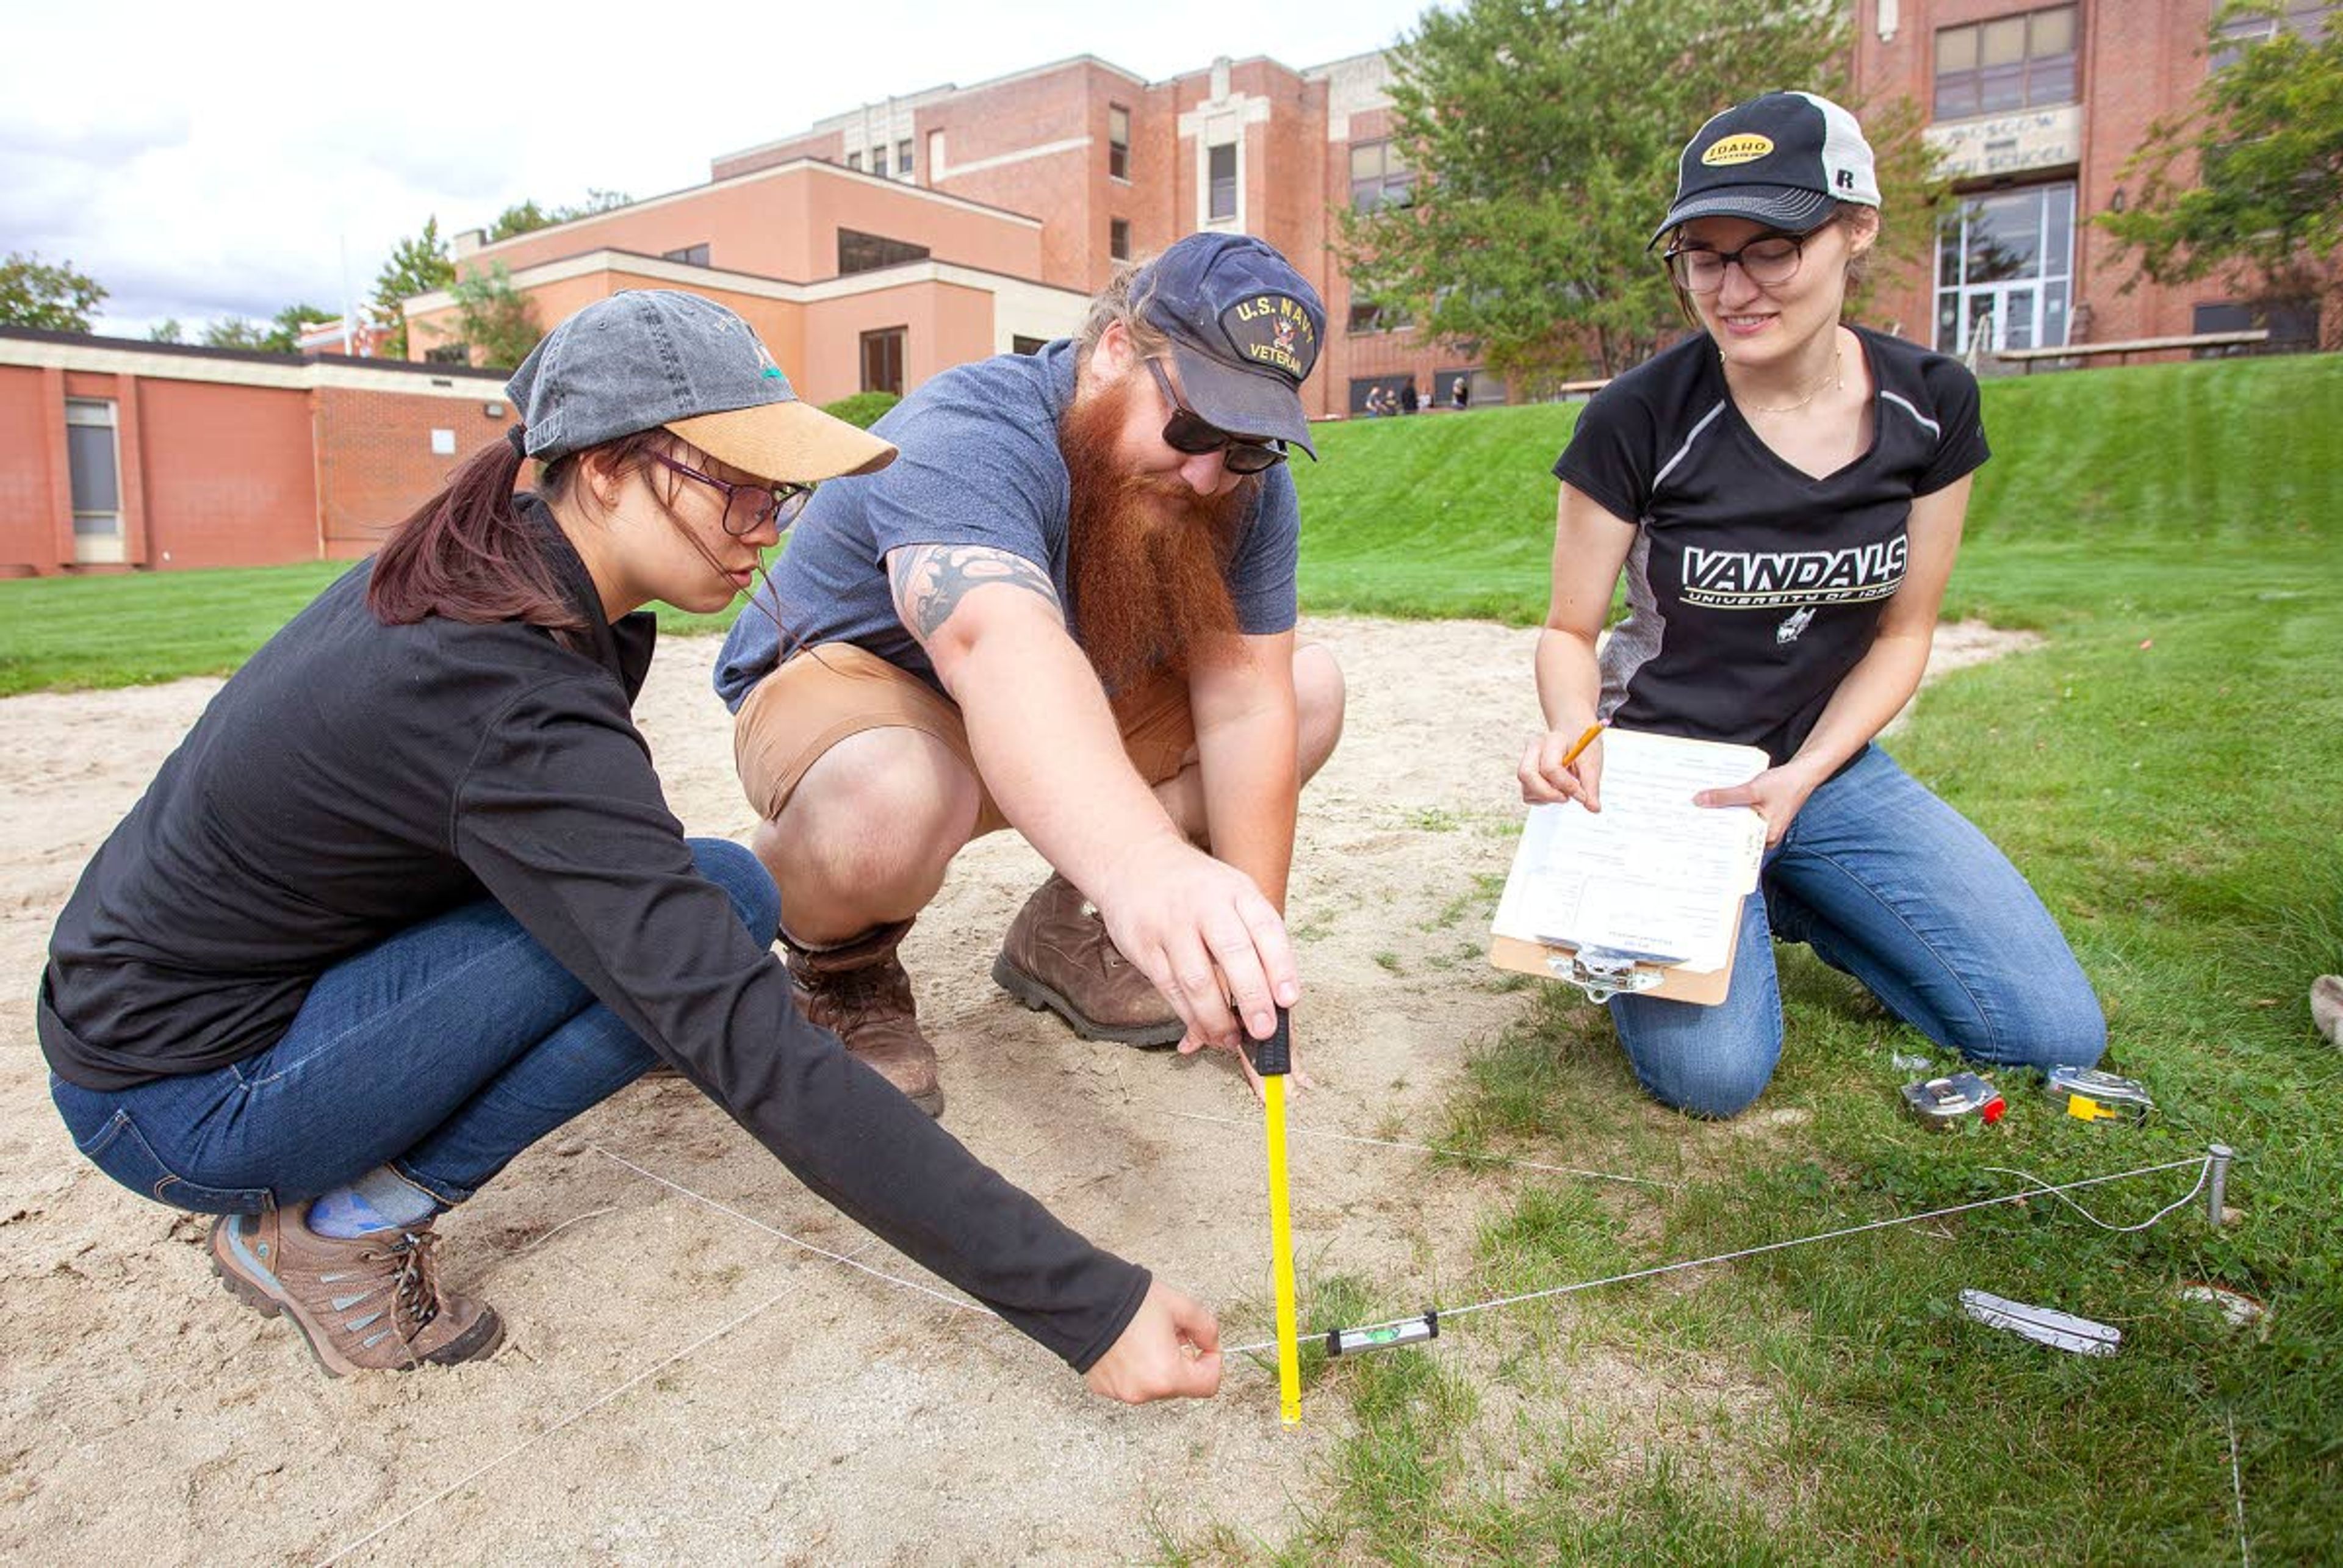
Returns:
(1274, 1059)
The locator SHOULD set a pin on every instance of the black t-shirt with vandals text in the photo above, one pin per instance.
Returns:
(1753, 588)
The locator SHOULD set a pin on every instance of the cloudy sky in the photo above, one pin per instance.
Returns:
(228, 160)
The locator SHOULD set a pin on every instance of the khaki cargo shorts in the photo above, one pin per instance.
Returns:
(794, 716)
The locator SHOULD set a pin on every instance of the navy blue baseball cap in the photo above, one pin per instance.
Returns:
(1244, 328)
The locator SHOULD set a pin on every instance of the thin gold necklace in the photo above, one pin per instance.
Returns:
(1836, 380)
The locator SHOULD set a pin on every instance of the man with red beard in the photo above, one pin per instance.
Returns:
(1067, 608)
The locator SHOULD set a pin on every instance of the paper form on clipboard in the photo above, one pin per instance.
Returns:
(1650, 874)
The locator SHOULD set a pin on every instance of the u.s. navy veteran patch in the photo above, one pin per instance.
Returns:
(1274, 331)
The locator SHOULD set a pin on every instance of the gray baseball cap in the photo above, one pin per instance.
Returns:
(654, 357)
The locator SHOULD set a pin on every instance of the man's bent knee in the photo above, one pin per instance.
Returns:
(881, 810)
(1319, 696)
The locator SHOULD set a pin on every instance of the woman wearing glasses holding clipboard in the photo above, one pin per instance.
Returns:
(1786, 495)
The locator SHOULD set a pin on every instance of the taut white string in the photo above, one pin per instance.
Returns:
(950, 1301)
(2203, 1162)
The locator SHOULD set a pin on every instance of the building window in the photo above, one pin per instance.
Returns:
(95, 472)
(859, 252)
(883, 360)
(1380, 176)
(1220, 183)
(878, 161)
(691, 254)
(2005, 264)
(1118, 141)
(1367, 316)
(903, 158)
(448, 354)
(854, 160)
(1118, 238)
(2293, 326)
(1021, 344)
(2306, 19)
(2010, 62)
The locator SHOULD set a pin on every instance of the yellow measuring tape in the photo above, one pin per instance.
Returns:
(1274, 1059)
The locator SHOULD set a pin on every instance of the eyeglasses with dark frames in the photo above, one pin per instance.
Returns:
(1188, 432)
(1765, 261)
(747, 507)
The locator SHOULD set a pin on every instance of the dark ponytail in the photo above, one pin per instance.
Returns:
(466, 555)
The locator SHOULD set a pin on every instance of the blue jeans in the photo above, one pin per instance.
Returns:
(1889, 884)
(442, 1052)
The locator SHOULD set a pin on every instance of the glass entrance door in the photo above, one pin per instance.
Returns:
(2005, 267)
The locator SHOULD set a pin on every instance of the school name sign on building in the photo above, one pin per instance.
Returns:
(2010, 143)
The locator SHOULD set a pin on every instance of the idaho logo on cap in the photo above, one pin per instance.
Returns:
(1272, 330)
(1743, 149)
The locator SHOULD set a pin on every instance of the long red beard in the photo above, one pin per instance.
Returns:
(1147, 555)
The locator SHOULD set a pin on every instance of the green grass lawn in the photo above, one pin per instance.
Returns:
(2168, 769)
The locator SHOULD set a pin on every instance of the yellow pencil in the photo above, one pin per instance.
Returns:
(1584, 741)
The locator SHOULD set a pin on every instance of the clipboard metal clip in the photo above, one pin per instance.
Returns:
(1603, 972)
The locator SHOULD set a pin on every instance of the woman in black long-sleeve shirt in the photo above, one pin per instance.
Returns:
(408, 896)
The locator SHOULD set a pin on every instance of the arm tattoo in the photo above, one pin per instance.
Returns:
(931, 581)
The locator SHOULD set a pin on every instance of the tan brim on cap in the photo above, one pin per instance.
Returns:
(787, 443)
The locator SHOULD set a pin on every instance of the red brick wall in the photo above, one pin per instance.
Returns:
(224, 473)
(32, 423)
(375, 462)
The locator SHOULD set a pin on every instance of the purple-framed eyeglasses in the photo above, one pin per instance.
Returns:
(747, 507)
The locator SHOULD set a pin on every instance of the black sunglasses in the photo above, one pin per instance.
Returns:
(747, 507)
(1188, 432)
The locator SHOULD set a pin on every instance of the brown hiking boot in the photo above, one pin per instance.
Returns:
(858, 990)
(1058, 955)
(369, 1304)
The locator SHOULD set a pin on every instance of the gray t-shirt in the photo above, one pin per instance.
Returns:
(980, 466)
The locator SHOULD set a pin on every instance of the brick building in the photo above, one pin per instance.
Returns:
(117, 454)
(878, 245)
(883, 245)
(2037, 109)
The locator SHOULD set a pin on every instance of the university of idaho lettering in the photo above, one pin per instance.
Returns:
(1768, 579)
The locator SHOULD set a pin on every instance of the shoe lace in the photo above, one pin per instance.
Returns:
(414, 1288)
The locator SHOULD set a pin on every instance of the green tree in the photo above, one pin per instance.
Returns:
(236, 332)
(166, 331)
(493, 317)
(1544, 137)
(416, 266)
(51, 297)
(524, 216)
(284, 328)
(2249, 183)
(281, 334)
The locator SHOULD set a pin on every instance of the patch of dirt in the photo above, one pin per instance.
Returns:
(680, 1384)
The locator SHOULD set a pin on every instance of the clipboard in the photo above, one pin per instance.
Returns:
(1693, 864)
(1603, 973)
